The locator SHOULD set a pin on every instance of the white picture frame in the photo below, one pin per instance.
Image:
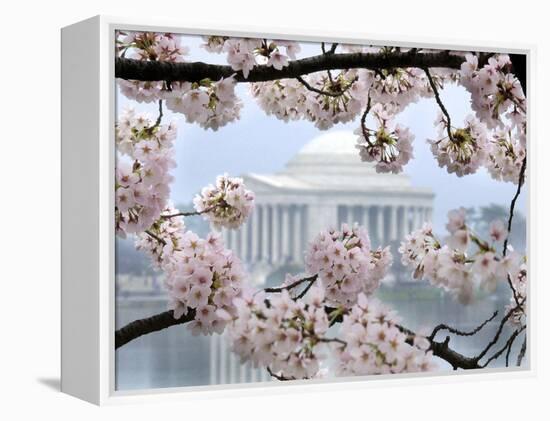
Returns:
(88, 97)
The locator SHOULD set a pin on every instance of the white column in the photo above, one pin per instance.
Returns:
(244, 241)
(366, 219)
(393, 223)
(214, 344)
(285, 237)
(265, 233)
(297, 234)
(419, 217)
(242, 375)
(404, 229)
(255, 233)
(223, 360)
(351, 218)
(232, 368)
(253, 374)
(380, 224)
(275, 256)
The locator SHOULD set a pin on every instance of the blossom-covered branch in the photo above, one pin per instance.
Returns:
(131, 69)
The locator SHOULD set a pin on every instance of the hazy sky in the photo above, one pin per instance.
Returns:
(263, 144)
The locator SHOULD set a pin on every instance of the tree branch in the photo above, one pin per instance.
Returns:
(513, 203)
(131, 69)
(443, 326)
(151, 324)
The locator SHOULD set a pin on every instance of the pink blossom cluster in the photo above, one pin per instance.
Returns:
(346, 265)
(463, 262)
(201, 274)
(374, 344)
(499, 101)
(390, 145)
(243, 54)
(167, 229)
(466, 151)
(400, 86)
(148, 46)
(506, 151)
(227, 203)
(209, 104)
(144, 160)
(289, 99)
(495, 92)
(285, 335)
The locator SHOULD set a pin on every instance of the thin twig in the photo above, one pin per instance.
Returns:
(513, 203)
(506, 345)
(460, 332)
(363, 122)
(159, 118)
(292, 285)
(277, 376)
(306, 289)
(322, 92)
(497, 335)
(440, 103)
(191, 213)
(522, 351)
(155, 236)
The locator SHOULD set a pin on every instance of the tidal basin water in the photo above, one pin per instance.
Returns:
(174, 358)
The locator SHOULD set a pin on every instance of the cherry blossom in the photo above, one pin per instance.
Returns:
(280, 333)
(505, 154)
(390, 145)
(227, 203)
(345, 263)
(374, 344)
(243, 54)
(463, 262)
(144, 160)
(330, 314)
(210, 104)
(148, 46)
(494, 91)
(465, 151)
(291, 100)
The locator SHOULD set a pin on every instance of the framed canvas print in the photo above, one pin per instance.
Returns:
(246, 208)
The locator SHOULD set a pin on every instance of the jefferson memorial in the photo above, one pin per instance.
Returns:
(324, 185)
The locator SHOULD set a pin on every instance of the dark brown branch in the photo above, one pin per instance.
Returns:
(151, 324)
(131, 69)
(443, 351)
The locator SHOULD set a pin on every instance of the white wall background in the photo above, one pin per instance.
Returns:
(29, 209)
